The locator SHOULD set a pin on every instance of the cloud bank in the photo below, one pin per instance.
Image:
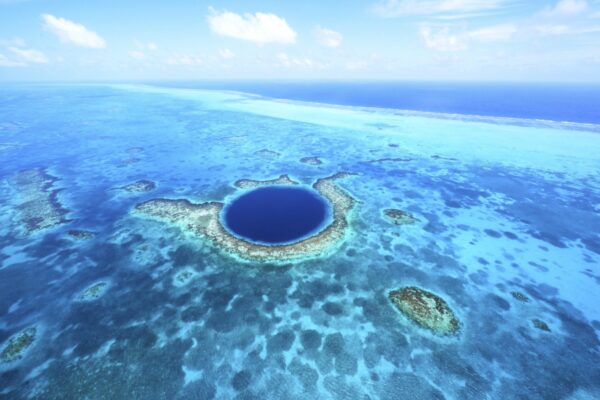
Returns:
(71, 32)
(258, 27)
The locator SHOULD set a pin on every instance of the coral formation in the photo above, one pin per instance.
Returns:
(39, 207)
(541, 325)
(80, 234)
(17, 345)
(267, 153)
(520, 296)
(399, 217)
(94, 291)
(183, 277)
(140, 186)
(203, 220)
(311, 160)
(426, 309)
(251, 183)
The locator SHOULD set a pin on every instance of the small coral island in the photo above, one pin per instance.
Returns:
(399, 217)
(311, 160)
(204, 221)
(426, 310)
(140, 186)
(18, 344)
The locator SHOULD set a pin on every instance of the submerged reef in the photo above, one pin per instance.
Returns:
(184, 277)
(140, 186)
(311, 160)
(267, 153)
(426, 309)
(80, 234)
(17, 345)
(251, 183)
(93, 292)
(520, 296)
(541, 325)
(38, 203)
(203, 220)
(399, 217)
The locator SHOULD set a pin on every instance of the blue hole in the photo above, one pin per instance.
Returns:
(276, 214)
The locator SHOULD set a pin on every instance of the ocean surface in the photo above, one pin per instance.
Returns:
(100, 302)
(555, 102)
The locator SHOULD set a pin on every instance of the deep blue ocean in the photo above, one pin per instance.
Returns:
(553, 102)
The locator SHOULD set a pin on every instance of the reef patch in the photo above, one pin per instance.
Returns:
(80, 234)
(38, 204)
(184, 277)
(251, 183)
(267, 153)
(311, 160)
(140, 186)
(426, 309)
(541, 325)
(93, 292)
(203, 220)
(18, 344)
(399, 217)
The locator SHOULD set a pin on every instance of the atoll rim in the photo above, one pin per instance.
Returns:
(204, 220)
(275, 215)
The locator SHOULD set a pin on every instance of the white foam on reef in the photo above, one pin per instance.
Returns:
(508, 141)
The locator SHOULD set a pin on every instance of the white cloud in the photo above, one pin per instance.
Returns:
(284, 60)
(7, 62)
(566, 8)
(327, 37)
(258, 27)
(72, 32)
(137, 54)
(453, 8)
(29, 55)
(185, 59)
(493, 33)
(555, 30)
(226, 54)
(142, 46)
(442, 40)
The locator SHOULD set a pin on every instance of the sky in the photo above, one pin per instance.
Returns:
(491, 40)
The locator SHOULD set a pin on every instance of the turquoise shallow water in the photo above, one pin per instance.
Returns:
(502, 206)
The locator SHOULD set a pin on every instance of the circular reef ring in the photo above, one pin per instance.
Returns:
(205, 220)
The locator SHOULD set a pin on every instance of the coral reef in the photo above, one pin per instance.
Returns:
(267, 153)
(541, 325)
(251, 183)
(93, 292)
(80, 234)
(184, 277)
(140, 186)
(399, 217)
(203, 220)
(311, 160)
(38, 203)
(394, 159)
(17, 345)
(520, 296)
(426, 309)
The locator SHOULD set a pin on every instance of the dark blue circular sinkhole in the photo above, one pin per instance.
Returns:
(276, 214)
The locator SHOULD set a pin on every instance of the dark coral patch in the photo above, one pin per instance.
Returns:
(426, 310)
(39, 207)
(311, 160)
(140, 186)
(18, 344)
(541, 325)
(399, 217)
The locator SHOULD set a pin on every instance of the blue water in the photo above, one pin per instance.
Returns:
(547, 101)
(275, 214)
(500, 208)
